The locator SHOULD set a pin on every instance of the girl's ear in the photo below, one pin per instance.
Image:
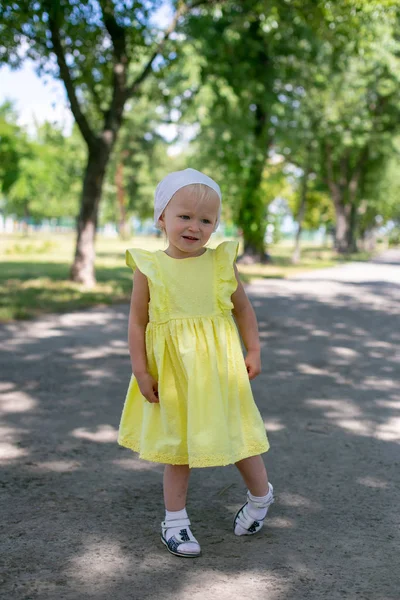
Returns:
(160, 222)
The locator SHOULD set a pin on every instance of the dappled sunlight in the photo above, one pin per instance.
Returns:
(16, 402)
(389, 431)
(320, 333)
(119, 344)
(274, 425)
(56, 466)
(372, 482)
(244, 584)
(131, 464)
(105, 434)
(341, 291)
(378, 383)
(97, 374)
(348, 415)
(34, 357)
(376, 354)
(312, 370)
(9, 448)
(364, 428)
(285, 352)
(393, 404)
(97, 317)
(280, 523)
(40, 330)
(99, 562)
(344, 353)
(298, 501)
(91, 353)
(337, 408)
(265, 334)
(377, 344)
(94, 353)
(340, 329)
(6, 386)
(9, 452)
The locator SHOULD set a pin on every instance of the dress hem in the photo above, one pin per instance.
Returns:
(216, 461)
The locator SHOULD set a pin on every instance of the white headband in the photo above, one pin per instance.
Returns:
(174, 182)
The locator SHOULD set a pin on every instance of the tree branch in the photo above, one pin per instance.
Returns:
(116, 32)
(65, 75)
(356, 174)
(333, 187)
(95, 96)
(147, 69)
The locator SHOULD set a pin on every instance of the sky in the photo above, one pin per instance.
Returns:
(33, 99)
(37, 102)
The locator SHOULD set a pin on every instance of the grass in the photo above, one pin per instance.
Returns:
(34, 272)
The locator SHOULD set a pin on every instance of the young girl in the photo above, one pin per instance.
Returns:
(189, 403)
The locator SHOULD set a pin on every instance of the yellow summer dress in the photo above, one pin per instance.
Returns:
(206, 415)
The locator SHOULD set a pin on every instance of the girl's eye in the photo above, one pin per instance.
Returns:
(206, 221)
(184, 217)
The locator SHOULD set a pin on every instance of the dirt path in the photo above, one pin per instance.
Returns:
(80, 516)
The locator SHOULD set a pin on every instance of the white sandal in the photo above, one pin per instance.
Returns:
(184, 544)
(246, 521)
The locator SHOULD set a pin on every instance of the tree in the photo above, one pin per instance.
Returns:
(139, 161)
(379, 192)
(103, 51)
(250, 52)
(49, 170)
(13, 147)
(329, 63)
(357, 110)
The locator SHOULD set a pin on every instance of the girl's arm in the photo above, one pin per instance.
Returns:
(138, 319)
(248, 328)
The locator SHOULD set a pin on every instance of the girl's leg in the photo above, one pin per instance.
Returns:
(176, 482)
(254, 475)
(176, 532)
(260, 496)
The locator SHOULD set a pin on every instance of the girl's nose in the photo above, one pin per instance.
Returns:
(194, 226)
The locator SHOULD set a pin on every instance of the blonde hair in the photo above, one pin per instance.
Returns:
(201, 190)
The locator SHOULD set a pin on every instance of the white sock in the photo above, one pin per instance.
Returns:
(254, 508)
(182, 534)
(250, 519)
(171, 515)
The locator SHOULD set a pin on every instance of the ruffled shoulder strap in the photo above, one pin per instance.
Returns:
(136, 258)
(225, 255)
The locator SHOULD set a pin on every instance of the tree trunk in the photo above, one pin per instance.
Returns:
(338, 197)
(301, 212)
(82, 270)
(119, 182)
(353, 197)
(352, 239)
(342, 228)
(344, 191)
(251, 218)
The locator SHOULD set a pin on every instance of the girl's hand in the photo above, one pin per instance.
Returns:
(253, 363)
(148, 387)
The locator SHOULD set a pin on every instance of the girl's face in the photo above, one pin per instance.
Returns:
(189, 221)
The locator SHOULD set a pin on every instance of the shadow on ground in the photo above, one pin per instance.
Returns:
(81, 515)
